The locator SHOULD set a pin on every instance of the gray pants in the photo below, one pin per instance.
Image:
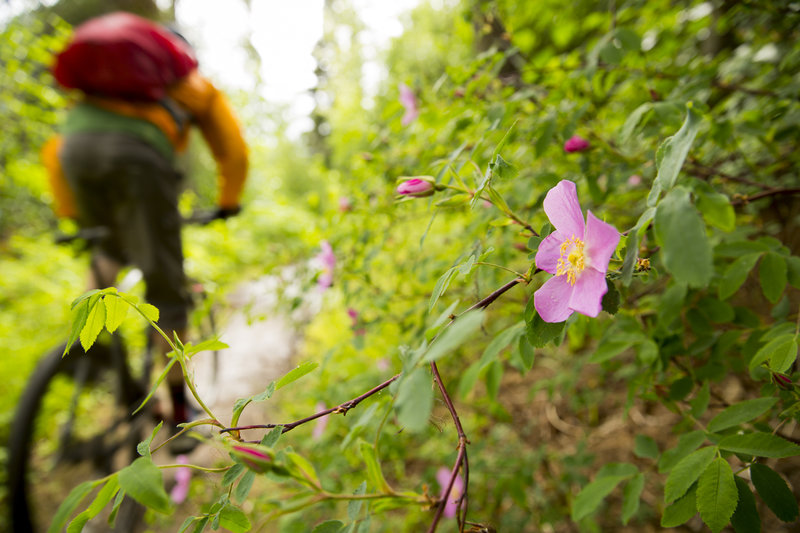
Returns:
(124, 184)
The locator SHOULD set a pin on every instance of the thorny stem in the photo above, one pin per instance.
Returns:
(341, 408)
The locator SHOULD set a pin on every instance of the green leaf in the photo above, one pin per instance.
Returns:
(772, 273)
(699, 403)
(116, 310)
(143, 448)
(760, 445)
(94, 324)
(233, 519)
(468, 379)
(454, 335)
(142, 481)
(80, 314)
(631, 494)
(610, 301)
(645, 447)
(242, 490)
(682, 510)
(502, 340)
(680, 232)
(374, 473)
(441, 287)
(793, 271)
(540, 332)
(775, 492)
(329, 526)
(629, 126)
(354, 506)
(503, 170)
(591, 496)
(271, 437)
(686, 472)
(305, 468)
(672, 153)
(632, 245)
(717, 210)
(69, 505)
(782, 360)
(778, 348)
(296, 373)
(717, 495)
(526, 352)
(415, 400)
(233, 474)
(740, 412)
(687, 443)
(545, 137)
(104, 496)
(735, 275)
(745, 519)
(454, 200)
(150, 312)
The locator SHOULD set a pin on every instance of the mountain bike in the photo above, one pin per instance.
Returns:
(75, 420)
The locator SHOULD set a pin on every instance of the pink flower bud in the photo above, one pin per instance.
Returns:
(634, 180)
(576, 143)
(255, 457)
(415, 187)
(345, 204)
(782, 381)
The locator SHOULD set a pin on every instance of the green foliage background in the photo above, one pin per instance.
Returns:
(623, 421)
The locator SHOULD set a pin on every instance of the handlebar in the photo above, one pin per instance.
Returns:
(97, 234)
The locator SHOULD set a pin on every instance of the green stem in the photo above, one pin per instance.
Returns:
(501, 267)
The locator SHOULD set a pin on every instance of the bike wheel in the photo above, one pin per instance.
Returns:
(73, 423)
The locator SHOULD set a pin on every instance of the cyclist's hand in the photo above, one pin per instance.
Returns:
(228, 212)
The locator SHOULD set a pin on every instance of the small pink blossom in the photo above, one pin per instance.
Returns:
(255, 457)
(578, 253)
(353, 314)
(183, 476)
(443, 478)
(409, 101)
(345, 204)
(322, 423)
(382, 364)
(634, 180)
(415, 187)
(327, 262)
(782, 381)
(576, 143)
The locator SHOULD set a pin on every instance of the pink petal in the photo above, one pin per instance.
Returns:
(601, 241)
(588, 293)
(443, 478)
(562, 208)
(549, 252)
(552, 299)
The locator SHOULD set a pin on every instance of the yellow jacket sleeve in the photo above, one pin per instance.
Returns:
(215, 119)
(63, 197)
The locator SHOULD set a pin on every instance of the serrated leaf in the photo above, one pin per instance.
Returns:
(296, 373)
(142, 481)
(775, 492)
(631, 494)
(454, 335)
(687, 443)
(717, 495)
(242, 490)
(150, 312)
(745, 519)
(80, 315)
(682, 510)
(645, 447)
(104, 496)
(69, 505)
(233, 473)
(540, 332)
(329, 526)
(83, 297)
(717, 210)
(95, 321)
(591, 496)
(679, 230)
(782, 360)
(415, 400)
(775, 348)
(735, 275)
(233, 519)
(759, 444)
(740, 413)
(772, 273)
(116, 310)
(686, 472)
(672, 153)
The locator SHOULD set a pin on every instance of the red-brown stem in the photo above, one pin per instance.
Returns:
(341, 408)
(764, 194)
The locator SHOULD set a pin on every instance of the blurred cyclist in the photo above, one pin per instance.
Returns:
(113, 164)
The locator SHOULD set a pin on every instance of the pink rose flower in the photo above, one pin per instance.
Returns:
(634, 180)
(576, 143)
(415, 187)
(183, 476)
(327, 262)
(409, 101)
(578, 253)
(345, 204)
(443, 478)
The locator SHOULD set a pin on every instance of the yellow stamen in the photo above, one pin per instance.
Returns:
(571, 261)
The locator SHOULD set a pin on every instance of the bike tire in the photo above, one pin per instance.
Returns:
(45, 465)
